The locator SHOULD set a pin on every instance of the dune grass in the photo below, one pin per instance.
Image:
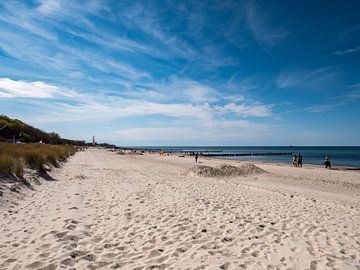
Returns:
(15, 157)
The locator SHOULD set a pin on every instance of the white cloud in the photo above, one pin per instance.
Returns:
(115, 108)
(72, 9)
(14, 89)
(193, 91)
(49, 6)
(175, 89)
(81, 105)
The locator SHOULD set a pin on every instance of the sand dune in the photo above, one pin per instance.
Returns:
(225, 170)
(109, 211)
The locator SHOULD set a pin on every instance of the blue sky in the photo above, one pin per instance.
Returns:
(184, 72)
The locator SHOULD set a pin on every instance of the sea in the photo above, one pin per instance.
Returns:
(348, 156)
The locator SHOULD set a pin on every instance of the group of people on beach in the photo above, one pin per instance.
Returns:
(297, 160)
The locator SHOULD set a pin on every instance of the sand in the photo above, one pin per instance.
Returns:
(109, 211)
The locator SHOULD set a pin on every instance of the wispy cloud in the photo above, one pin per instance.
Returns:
(49, 6)
(323, 107)
(260, 25)
(254, 109)
(174, 89)
(69, 105)
(347, 51)
(214, 134)
(65, 58)
(348, 97)
(307, 78)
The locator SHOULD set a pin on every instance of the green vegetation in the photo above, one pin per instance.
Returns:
(30, 154)
(14, 157)
(14, 128)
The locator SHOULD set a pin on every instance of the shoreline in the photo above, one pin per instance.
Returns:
(186, 150)
(278, 163)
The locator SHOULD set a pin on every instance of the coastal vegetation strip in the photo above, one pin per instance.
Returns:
(15, 157)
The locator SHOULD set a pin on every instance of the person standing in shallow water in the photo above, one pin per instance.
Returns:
(196, 157)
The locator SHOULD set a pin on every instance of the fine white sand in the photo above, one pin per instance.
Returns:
(108, 211)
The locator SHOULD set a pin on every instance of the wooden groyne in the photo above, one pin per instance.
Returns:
(244, 154)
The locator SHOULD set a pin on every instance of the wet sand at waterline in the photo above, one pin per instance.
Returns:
(110, 211)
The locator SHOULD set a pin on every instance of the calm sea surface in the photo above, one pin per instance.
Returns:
(339, 155)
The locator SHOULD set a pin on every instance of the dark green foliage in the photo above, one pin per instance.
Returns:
(27, 133)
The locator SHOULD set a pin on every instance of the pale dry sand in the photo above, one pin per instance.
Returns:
(107, 211)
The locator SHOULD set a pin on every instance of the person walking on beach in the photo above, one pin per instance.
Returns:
(196, 157)
(327, 163)
(299, 160)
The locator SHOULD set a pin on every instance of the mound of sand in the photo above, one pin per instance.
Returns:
(249, 168)
(204, 171)
(225, 170)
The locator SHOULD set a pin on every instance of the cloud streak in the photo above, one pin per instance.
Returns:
(213, 134)
(307, 78)
(259, 24)
(347, 51)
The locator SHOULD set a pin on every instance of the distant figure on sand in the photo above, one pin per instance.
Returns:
(294, 161)
(196, 157)
(299, 160)
(327, 163)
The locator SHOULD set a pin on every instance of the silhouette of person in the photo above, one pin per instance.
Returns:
(327, 163)
(300, 160)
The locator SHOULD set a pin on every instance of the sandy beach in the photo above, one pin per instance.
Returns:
(103, 210)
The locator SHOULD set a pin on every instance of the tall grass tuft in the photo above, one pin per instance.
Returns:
(13, 157)
(34, 159)
(6, 164)
(11, 165)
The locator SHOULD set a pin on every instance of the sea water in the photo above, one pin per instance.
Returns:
(338, 155)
